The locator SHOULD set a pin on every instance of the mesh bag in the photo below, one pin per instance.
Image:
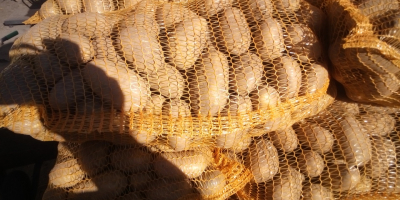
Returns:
(364, 44)
(194, 70)
(348, 151)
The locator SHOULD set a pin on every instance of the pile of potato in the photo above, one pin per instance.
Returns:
(364, 49)
(348, 149)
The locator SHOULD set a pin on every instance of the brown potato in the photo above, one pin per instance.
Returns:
(303, 43)
(314, 78)
(184, 164)
(186, 41)
(154, 104)
(68, 91)
(208, 8)
(104, 49)
(310, 163)
(115, 83)
(363, 187)
(340, 177)
(92, 156)
(285, 77)
(344, 107)
(268, 39)
(89, 24)
(262, 160)
(354, 143)
(264, 97)
(210, 183)
(28, 125)
(48, 9)
(98, 6)
(122, 4)
(287, 5)
(317, 192)
(316, 137)
(74, 49)
(50, 67)
(179, 143)
(287, 187)
(142, 48)
(246, 73)
(169, 14)
(144, 16)
(376, 8)
(104, 186)
(238, 105)
(176, 108)
(370, 108)
(276, 123)
(236, 141)
(230, 32)
(130, 159)
(285, 139)
(208, 86)
(383, 156)
(66, 174)
(141, 180)
(169, 189)
(377, 124)
(167, 80)
(70, 6)
(255, 10)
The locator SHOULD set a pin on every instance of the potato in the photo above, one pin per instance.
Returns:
(256, 10)
(376, 8)
(74, 49)
(310, 163)
(238, 105)
(169, 14)
(176, 108)
(130, 160)
(208, 86)
(167, 80)
(314, 78)
(104, 186)
(237, 140)
(70, 6)
(50, 67)
(66, 93)
(363, 187)
(246, 73)
(383, 157)
(264, 97)
(285, 139)
(185, 164)
(29, 125)
(210, 183)
(19, 86)
(317, 192)
(268, 39)
(230, 32)
(92, 156)
(142, 48)
(168, 189)
(344, 107)
(370, 108)
(66, 174)
(287, 187)
(54, 194)
(126, 90)
(377, 124)
(48, 9)
(89, 24)
(154, 104)
(104, 49)
(140, 180)
(303, 43)
(186, 41)
(262, 160)
(144, 16)
(286, 5)
(67, 149)
(91, 105)
(179, 143)
(275, 123)
(355, 144)
(285, 77)
(98, 6)
(340, 177)
(208, 8)
(318, 138)
(315, 18)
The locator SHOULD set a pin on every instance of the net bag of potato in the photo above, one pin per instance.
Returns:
(159, 71)
(364, 49)
(348, 151)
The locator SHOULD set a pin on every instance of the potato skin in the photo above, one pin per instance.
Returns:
(230, 32)
(73, 48)
(285, 139)
(70, 6)
(169, 14)
(209, 82)
(130, 159)
(377, 124)
(89, 24)
(311, 163)
(185, 41)
(340, 177)
(66, 174)
(268, 39)
(125, 89)
(168, 81)
(314, 78)
(176, 108)
(316, 137)
(264, 97)
(210, 183)
(48, 9)
(246, 73)
(317, 192)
